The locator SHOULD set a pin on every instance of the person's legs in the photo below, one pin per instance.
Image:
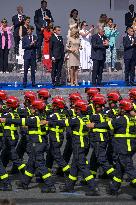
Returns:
(100, 71)
(33, 68)
(76, 75)
(53, 72)
(95, 71)
(40, 41)
(59, 70)
(127, 70)
(26, 67)
(5, 63)
(72, 75)
(16, 48)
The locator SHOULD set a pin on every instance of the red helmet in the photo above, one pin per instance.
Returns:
(91, 92)
(73, 97)
(44, 93)
(126, 104)
(12, 102)
(58, 103)
(81, 105)
(58, 97)
(3, 95)
(38, 104)
(99, 99)
(132, 93)
(114, 96)
(30, 96)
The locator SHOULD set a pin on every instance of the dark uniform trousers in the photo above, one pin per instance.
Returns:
(27, 64)
(98, 66)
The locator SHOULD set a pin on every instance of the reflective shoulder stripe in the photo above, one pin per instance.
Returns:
(134, 181)
(38, 121)
(110, 125)
(4, 176)
(101, 118)
(92, 106)
(23, 121)
(58, 116)
(67, 123)
(134, 105)
(73, 112)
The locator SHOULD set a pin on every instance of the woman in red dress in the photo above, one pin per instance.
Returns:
(46, 56)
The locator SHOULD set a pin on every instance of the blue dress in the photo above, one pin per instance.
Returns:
(111, 54)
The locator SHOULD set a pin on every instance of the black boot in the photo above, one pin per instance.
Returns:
(94, 192)
(6, 187)
(66, 188)
(21, 185)
(46, 189)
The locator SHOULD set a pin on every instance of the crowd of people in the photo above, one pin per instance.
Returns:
(87, 47)
(106, 125)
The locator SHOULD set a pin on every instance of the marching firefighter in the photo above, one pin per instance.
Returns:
(79, 133)
(37, 143)
(56, 135)
(73, 97)
(124, 143)
(99, 138)
(11, 135)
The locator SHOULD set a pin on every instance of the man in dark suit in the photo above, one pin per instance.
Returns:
(129, 43)
(129, 17)
(98, 55)
(57, 55)
(18, 21)
(41, 15)
(29, 44)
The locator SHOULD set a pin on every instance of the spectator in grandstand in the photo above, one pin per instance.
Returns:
(5, 44)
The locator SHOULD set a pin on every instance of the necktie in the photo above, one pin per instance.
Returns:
(44, 14)
(20, 18)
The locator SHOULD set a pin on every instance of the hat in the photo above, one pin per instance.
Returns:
(4, 20)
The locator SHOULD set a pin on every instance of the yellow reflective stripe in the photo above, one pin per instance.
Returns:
(72, 178)
(10, 128)
(87, 162)
(46, 176)
(21, 167)
(93, 110)
(101, 118)
(73, 112)
(101, 137)
(110, 170)
(66, 168)
(67, 123)
(99, 130)
(28, 174)
(125, 135)
(134, 105)
(117, 179)
(36, 132)
(13, 135)
(89, 178)
(134, 181)
(110, 125)
(23, 121)
(4, 176)
(1, 134)
(93, 172)
(56, 129)
(129, 145)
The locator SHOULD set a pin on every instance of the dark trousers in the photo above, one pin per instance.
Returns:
(35, 162)
(39, 41)
(4, 59)
(55, 154)
(2, 169)
(27, 64)
(56, 71)
(98, 66)
(16, 41)
(124, 165)
(68, 147)
(79, 164)
(129, 70)
(100, 158)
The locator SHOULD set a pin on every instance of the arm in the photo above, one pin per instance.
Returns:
(25, 45)
(51, 47)
(50, 16)
(127, 44)
(126, 20)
